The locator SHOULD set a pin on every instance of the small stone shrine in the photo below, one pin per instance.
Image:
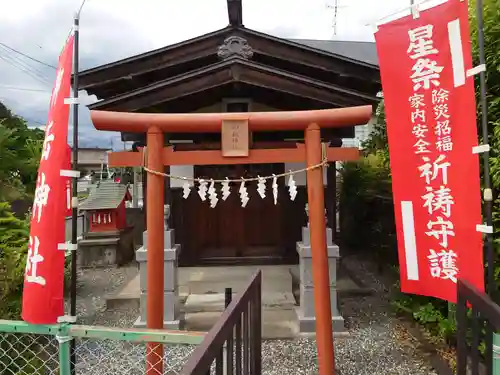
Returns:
(108, 240)
(172, 318)
(306, 312)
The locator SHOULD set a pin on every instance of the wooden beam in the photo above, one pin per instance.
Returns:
(235, 13)
(225, 72)
(282, 49)
(334, 136)
(214, 157)
(179, 53)
(163, 92)
(211, 122)
(303, 88)
(217, 145)
(258, 73)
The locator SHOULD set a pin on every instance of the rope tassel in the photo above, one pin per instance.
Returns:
(243, 194)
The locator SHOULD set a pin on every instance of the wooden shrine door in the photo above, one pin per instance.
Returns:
(229, 232)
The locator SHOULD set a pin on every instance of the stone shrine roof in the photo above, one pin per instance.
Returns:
(106, 195)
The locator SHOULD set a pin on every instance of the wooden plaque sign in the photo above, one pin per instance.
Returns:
(235, 138)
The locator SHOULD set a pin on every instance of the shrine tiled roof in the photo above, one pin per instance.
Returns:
(106, 195)
(357, 50)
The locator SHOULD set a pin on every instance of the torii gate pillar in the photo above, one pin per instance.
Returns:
(321, 278)
(154, 223)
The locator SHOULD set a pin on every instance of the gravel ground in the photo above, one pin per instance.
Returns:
(93, 286)
(378, 343)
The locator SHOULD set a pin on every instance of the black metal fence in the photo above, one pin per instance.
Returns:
(233, 345)
(475, 327)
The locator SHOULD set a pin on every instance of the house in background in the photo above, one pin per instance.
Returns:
(93, 164)
(92, 159)
(236, 69)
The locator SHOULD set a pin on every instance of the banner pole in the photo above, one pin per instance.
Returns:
(488, 201)
(487, 193)
(74, 214)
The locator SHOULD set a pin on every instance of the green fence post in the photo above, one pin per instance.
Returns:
(64, 339)
(496, 354)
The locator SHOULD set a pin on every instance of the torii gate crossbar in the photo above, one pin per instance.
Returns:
(311, 122)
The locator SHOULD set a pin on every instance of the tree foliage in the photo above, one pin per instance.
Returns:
(377, 143)
(20, 151)
(491, 15)
(14, 234)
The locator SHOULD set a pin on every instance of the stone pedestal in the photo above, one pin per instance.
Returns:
(104, 249)
(172, 318)
(305, 312)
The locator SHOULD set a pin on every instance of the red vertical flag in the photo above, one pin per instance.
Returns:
(44, 280)
(431, 125)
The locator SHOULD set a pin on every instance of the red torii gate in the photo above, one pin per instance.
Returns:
(235, 129)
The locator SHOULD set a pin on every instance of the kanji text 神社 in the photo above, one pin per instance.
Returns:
(32, 260)
(42, 192)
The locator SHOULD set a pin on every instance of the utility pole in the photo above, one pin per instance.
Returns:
(74, 213)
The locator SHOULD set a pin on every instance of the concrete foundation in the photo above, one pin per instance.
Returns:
(172, 316)
(306, 311)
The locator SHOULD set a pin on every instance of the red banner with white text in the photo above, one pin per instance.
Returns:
(44, 280)
(431, 127)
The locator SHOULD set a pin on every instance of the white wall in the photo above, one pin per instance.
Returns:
(92, 156)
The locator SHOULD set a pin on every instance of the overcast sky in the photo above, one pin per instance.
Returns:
(114, 29)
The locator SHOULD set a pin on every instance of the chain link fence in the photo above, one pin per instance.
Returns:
(28, 354)
(45, 350)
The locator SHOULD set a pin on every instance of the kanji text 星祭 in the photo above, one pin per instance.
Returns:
(433, 140)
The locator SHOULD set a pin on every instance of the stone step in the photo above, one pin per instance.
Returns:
(276, 324)
(215, 302)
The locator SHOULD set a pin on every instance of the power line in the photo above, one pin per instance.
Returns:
(27, 56)
(7, 87)
(24, 70)
(23, 66)
(27, 119)
(24, 63)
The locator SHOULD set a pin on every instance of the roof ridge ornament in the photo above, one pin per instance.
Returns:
(235, 46)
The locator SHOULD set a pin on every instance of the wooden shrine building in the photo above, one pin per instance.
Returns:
(237, 69)
(105, 207)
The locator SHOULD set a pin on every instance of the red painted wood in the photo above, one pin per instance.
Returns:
(211, 122)
(214, 157)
